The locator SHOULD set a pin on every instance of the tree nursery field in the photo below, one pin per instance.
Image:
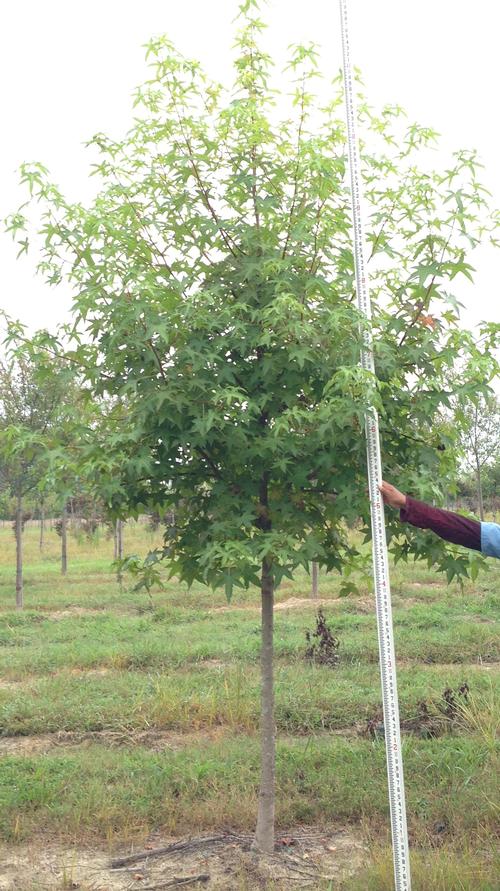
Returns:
(130, 723)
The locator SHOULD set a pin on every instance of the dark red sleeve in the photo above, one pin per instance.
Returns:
(448, 525)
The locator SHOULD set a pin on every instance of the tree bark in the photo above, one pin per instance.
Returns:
(42, 524)
(479, 491)
(64, 540)
(314, 580)
(264, 833)
(19, 553)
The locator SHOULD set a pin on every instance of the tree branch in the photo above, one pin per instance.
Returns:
(297, 166)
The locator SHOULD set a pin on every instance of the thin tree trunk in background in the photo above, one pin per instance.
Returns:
(264, 833)
(76, 518)
(19, 553)
(64, 539)
(119, 546)
(42, 524)
(479, 491)
(120, 539)
(314, 580)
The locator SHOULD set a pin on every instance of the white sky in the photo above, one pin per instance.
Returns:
(68, 71)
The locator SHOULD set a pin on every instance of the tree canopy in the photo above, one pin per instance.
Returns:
(213, 286)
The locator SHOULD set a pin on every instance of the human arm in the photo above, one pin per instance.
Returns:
(447, 524)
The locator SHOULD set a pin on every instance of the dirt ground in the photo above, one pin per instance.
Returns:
(155, 740)
(219, 863)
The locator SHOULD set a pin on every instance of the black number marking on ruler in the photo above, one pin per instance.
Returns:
(380, 559)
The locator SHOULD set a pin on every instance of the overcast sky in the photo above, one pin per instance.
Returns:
(68, 71)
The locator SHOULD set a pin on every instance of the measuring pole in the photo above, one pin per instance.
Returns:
(380, 557)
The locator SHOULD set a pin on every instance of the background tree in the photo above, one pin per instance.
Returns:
(480, 436)
(43, 408)
(29, 411)
(214, 296)
(491, 486)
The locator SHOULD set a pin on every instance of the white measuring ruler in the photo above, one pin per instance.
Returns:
(380, 557)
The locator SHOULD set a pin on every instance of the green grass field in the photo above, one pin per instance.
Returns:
(124, 721)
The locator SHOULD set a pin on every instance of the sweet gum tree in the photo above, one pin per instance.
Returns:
(214, 298)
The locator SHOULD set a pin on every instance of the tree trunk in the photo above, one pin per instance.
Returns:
(119, 546)
(314, 580)
(264, 833)
(120, 539)
(64, 540)
(479, 491)
(19, 553)
(42, 524)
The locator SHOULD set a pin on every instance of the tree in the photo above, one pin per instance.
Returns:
(42, 413)
(214, 292)
(480, 435)
(29, 412)
(492, 481)
(491, 485)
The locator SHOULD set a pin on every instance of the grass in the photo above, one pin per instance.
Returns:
(170, 638)
(94, 790)
(309, 699)
(441, 870)
(89, 657)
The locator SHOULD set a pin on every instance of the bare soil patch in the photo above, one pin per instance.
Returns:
(73, 611)
(8, 685)
(361, 604)
(483, 662)
(300, 602)
(155, 740)
(402, 600)
(26, 745)
(34, 678)
(100, 672)
(290, 603)
(302, 860)
(431, 584)
(46, 867)
(365, 605)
